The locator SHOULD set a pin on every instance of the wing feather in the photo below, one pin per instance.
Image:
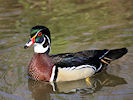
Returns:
(87, 57)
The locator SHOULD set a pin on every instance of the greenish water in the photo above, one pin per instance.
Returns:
(75, 25)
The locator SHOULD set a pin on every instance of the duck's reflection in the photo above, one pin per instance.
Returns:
(43, 90)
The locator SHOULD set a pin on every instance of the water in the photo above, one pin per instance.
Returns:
(75, 25)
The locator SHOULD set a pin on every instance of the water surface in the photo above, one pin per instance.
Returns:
(75, 25)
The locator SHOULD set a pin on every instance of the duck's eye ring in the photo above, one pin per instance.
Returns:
(40, 34)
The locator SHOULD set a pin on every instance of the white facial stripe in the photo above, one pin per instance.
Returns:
(48, 39)
(38, 32)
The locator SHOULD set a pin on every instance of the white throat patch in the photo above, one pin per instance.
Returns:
(38, 47)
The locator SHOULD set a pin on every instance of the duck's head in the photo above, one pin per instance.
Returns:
(40, 39)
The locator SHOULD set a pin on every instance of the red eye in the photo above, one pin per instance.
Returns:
(40, 34)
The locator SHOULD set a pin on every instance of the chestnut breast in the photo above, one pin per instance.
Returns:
(40, 67)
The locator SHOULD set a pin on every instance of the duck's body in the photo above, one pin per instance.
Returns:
(67, 66)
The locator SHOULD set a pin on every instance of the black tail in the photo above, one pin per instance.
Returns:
(116, 53)
(113, 54)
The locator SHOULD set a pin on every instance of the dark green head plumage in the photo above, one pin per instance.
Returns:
(35, 29)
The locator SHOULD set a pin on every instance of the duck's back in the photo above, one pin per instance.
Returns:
(78, 58)
(87, 57)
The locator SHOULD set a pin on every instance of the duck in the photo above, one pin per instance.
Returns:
(65, 66)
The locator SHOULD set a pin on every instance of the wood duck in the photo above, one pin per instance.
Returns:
(65, 66)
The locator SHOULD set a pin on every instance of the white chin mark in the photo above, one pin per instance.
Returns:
(38, 48)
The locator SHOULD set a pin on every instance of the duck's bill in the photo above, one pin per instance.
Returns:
(29, 43)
